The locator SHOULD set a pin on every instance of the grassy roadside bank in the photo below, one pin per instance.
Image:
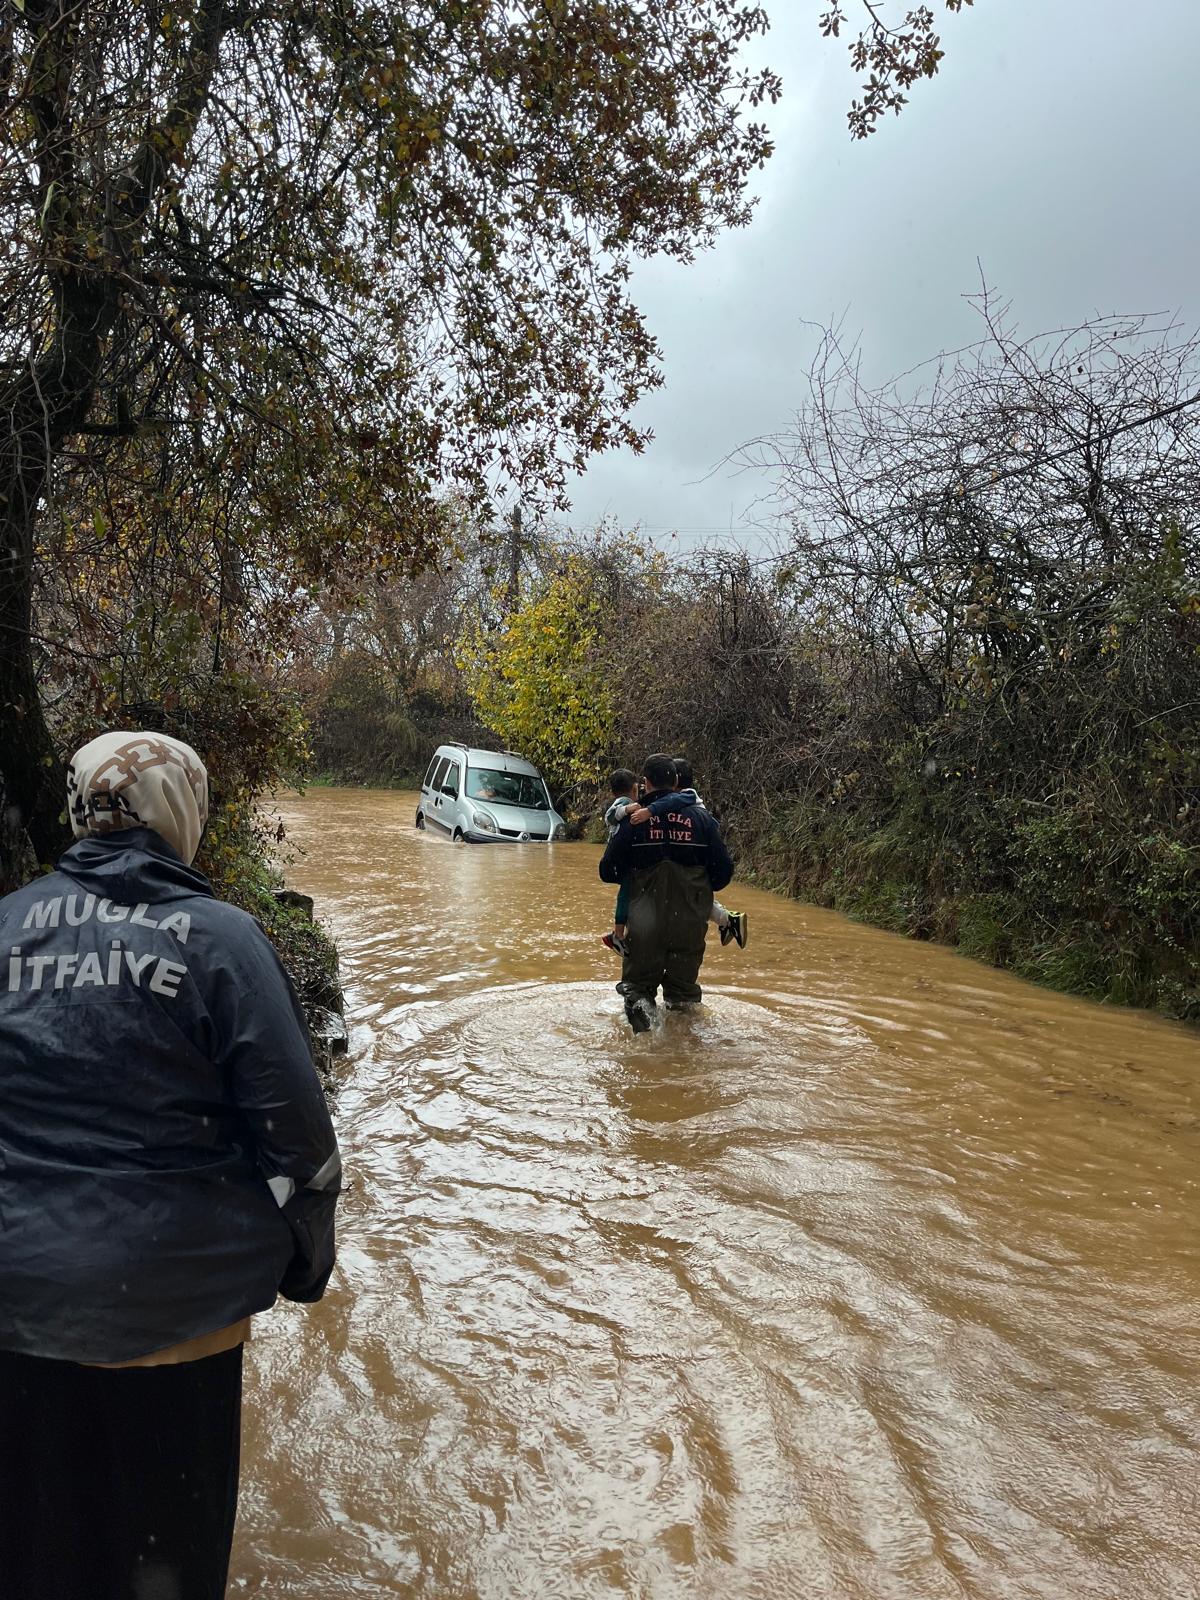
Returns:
(310, 959)
(243, 864)
(1054, 896)
(1052, 915)
(1062, 906)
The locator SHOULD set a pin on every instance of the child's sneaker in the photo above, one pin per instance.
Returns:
(614, 941)
(736, 928)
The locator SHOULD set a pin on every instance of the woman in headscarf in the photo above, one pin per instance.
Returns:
(167, 1167)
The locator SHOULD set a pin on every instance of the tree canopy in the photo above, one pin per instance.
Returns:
(541, 682)
(889, 56)
(357, 256)
(278, 279)
(407, 230)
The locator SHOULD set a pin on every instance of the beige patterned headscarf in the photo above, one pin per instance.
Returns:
(139, 780)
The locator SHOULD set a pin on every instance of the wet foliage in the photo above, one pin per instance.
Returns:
(891, 53)
(298, 273)
(984, 645)
(961, 700)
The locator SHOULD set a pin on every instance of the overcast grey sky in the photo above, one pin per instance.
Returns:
(1057, 146)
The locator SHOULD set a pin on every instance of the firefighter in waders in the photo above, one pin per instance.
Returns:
(672, 865)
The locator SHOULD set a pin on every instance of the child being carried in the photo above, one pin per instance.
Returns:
(625, 798)
(731, 924)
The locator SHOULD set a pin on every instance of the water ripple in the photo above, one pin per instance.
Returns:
(872, 1279)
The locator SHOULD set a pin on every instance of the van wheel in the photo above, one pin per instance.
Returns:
(420, 819)
(458, 836)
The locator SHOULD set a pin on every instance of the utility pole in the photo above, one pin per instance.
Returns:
(514, 560)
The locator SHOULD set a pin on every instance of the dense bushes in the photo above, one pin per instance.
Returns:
(963, 701)
(369, 729)
(123, 650)
(975, 711)
(363, 728)
(378, 677)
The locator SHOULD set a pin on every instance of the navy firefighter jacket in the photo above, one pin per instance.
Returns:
(167, 1162)
(685, 834)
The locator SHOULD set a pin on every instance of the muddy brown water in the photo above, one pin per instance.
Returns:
(874, 1280)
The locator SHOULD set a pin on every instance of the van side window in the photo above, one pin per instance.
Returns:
(439, 773)
(428, 781)
(450, 780)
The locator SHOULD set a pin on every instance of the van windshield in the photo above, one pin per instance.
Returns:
(507, 789)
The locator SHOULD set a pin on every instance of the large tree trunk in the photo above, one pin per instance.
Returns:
(17, 861)
(32, 790)
(48, 401)
(37, 412)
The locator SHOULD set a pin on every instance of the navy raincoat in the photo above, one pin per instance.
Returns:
(680, 830)
(167, 1161)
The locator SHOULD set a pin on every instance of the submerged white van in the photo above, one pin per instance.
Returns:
(487, 797)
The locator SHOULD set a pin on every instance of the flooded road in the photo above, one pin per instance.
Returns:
(876, 1279)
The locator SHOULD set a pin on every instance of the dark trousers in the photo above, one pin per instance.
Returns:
(118, 1485)
(648, 968)
(668, 918)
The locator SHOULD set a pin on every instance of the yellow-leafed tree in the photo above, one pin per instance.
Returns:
(540, 681)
